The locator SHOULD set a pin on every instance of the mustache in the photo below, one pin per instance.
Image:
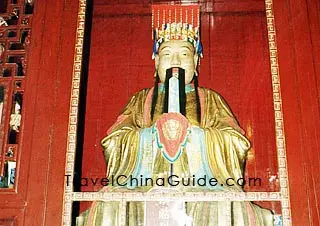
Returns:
(175, 70)
(182, 94)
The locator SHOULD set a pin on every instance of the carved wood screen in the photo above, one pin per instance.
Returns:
(15, 31)
(275, 194)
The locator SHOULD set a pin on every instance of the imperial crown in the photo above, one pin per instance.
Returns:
(176, 22)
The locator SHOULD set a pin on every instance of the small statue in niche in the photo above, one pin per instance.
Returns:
(3, 22)
(11, 173)
(2, 49)
(10, 152)
(15, 121)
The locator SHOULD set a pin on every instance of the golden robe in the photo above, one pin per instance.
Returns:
(224, 157)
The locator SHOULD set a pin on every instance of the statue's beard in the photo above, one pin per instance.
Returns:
(182, 93)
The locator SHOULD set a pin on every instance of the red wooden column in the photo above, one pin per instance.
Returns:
(47, 108)
(298, 24)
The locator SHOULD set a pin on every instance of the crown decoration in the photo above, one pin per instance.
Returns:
(176, 22)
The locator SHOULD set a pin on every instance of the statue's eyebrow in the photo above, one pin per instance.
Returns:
(164, 48)
(188, 47)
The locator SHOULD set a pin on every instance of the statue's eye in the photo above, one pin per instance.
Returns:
(165, 53)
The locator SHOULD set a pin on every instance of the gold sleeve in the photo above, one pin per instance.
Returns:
(226, 144)
(121, 144)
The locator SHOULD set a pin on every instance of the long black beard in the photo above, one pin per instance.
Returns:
(182, 94)
(182, 91)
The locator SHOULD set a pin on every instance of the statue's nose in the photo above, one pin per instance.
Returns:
(175, 60)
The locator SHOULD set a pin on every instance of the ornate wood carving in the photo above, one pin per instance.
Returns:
(15, 30)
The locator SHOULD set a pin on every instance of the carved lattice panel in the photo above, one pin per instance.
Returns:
(15, 30)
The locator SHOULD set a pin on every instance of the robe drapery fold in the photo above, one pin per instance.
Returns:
(216, 147)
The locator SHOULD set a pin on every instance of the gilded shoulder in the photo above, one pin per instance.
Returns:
(135, 102)
(140, 93)
(216, 101)
(210, 93)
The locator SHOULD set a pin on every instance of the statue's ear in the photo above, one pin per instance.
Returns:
(196, 60)
(156, 61)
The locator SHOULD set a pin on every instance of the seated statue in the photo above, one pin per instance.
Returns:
(174, 134)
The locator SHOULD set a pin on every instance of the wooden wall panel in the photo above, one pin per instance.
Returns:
(118, 68)
(47, 109)
(314, 28)
(61, 112)
(236, 64)
(299, 78)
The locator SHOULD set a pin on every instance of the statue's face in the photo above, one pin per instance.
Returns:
(176, 53)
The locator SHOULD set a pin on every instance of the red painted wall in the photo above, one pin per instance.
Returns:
(298, 27)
